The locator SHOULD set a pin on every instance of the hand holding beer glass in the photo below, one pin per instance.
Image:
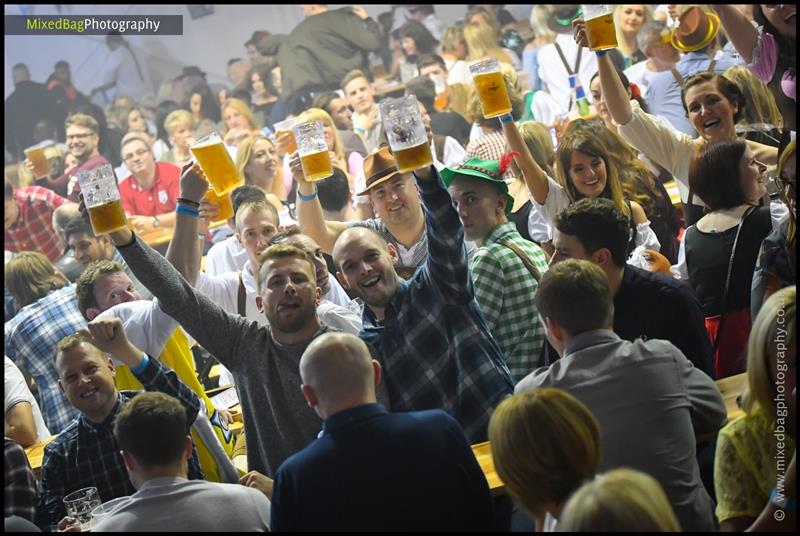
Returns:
(284, 138)
(491, 87)
(101, 197)
(600, 31)
(405, 131)
(216, 164)
(313, 150)
(37, 161)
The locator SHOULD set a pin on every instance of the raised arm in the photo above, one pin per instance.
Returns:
(447, 256)
(184, 252)
(535, 177)
(738, 29)
(309, 211)
(617, 100)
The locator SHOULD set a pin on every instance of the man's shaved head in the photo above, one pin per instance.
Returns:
(338, 366)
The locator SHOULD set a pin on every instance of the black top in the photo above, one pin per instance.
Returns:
(653, 306)
(451, 124)
(708, 255)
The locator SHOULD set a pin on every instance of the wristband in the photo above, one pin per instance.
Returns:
(788, 503)
(189, 202)
(599, 53)
(186, 210)
(138, 369)
(311, 197)
(506, 118)
(359, 130)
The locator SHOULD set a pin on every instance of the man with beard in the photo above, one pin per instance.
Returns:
(429, 334)
(82, 142)
(263, 359)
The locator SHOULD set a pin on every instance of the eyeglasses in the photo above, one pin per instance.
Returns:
(79, 136)
(137, 154)
(783, 182)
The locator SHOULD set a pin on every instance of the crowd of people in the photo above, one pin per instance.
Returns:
(566, 280)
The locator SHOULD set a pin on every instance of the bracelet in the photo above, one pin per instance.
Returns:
(787, 503)
(506, 118)
(186, 210)
(189, 202)
(138, 369)
(599, 53)
(311, 197)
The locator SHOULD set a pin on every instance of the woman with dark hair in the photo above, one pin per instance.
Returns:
(600, 105)
(204, 105)
(769, 50)
(718, 254)
(266, 102)
(712, 103)
(415, 39)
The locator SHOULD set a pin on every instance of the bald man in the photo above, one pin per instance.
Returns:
(370, 469)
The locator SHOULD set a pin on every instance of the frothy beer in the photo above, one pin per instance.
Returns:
(217, 165)
(413, 158)
(107, 217)
(601, 33)
(493, 94)
(316, 166)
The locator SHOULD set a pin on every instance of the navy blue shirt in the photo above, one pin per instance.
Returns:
(653, 306)
(371, 470)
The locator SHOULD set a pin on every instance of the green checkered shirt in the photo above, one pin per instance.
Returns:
(504, 289)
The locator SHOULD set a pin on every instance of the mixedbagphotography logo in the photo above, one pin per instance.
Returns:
(93, 24)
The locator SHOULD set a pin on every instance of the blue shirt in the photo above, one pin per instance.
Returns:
(376, 471)
(31, 339)
(434, 343)
(664, 94)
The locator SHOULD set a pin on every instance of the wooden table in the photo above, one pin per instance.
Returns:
(35, 454)
(388, 90)
(483, 453)
(730, 388)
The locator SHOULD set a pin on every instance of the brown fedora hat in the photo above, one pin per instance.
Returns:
(695, 30)
(379, 167)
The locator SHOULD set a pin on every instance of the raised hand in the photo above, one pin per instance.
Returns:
(579, 32)
(194, 183)
(108, 335)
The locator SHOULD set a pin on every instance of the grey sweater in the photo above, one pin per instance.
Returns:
(277, 420)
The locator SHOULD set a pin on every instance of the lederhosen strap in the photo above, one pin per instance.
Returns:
(523, 257)
(570, 71)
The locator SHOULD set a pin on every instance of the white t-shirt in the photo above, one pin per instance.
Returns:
(121, 67)
(16, 391)
(639, 74)
(226, 256)
(554, 75)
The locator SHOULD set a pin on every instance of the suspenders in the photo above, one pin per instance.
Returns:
(570, 71)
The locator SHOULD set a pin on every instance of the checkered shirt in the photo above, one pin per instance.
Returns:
(504, 289)
(20, 483)
(31, 339)
(434, 343)
(87, 454)
(33, 230)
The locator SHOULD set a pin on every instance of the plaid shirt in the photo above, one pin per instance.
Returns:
(31, 339)
(20, 483)
(87, 454)
(489, 147)
(33, 230)
(504, 289)
(434, 343)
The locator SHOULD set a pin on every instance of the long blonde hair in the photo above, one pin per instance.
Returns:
(767, 333)
(318, 114)
(243, 156)
(481, 42)
(648, 16)
(761, 106)
(30, 276)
